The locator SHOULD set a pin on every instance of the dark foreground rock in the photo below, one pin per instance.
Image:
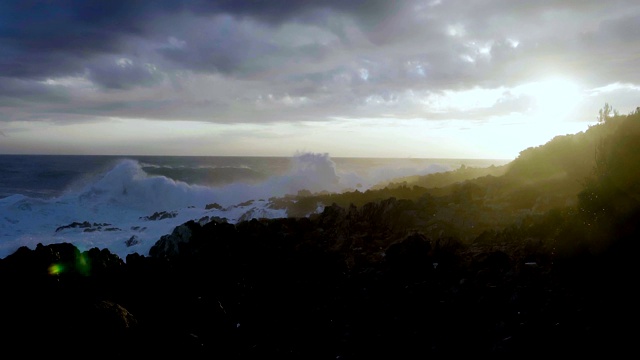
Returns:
(346, 284)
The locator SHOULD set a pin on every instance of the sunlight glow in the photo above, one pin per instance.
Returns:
(554, 98)
(464, 100)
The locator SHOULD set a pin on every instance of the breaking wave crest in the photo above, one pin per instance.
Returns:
(116, 206)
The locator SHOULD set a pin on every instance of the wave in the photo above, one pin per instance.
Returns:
(209, 175)
(127, 185)
(123, 198)
(146, 166)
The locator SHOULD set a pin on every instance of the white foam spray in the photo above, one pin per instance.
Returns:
(118, 204)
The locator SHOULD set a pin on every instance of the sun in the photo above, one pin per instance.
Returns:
(552, 105)
(553, 99)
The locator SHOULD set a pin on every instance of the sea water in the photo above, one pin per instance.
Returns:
(126, 203)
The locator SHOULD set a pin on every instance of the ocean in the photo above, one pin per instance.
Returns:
(126, 203)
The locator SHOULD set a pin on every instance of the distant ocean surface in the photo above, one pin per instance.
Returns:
(110, 201)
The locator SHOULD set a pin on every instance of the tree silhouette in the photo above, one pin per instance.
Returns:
(606, 113)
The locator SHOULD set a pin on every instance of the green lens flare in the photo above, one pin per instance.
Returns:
(82, 265)
(56, 269)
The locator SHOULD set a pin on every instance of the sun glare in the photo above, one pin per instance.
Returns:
(553, 99)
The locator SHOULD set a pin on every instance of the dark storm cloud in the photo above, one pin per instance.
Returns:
(123, 73)
(283, 59)
(219, 44)
(279, 11)
(18, 91)
(53, 38)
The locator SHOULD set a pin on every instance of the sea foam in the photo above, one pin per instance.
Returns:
(115, 209)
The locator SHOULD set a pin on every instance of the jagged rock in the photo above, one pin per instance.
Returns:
(331, 215)
(412, 255)
(92, 229)
(102, 260)
(133, 240)
(245, 203)
(169, 245)
(254, 213)
(160, 215)
(74, 225)
(86, 226)
(214, 206)
(113, 317)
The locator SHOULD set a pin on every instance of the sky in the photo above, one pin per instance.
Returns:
(416, 79)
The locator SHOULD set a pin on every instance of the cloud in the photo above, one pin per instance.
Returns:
(43, 38)
(12, 89)
(280, 11)
(266, 61)
(123, 73)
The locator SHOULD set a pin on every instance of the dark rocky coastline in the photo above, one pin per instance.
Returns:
(342, 284)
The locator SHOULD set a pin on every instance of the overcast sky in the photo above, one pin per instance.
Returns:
(434, 79)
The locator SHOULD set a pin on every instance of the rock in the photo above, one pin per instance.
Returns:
(169, 245)
(75, 225)
(214, 206)
(133, 240)
(160, 215)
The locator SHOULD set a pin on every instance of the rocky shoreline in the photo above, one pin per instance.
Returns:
(344, 284)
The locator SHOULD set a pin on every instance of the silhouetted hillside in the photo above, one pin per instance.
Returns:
(446, 178)
(540, 177)
(472, 200)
